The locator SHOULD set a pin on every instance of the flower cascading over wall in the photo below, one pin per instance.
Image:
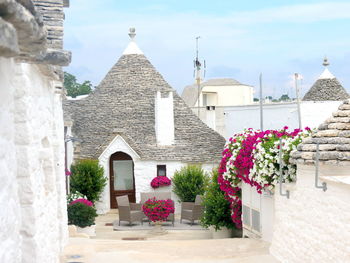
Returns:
(252, 157)
(159, 181)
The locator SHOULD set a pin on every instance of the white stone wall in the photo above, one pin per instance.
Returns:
(10, 216)
(33, 221)
(276, 116)
(144, 172)
(313, 226)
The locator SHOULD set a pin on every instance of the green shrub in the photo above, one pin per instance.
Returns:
(190, 181)
(81, 215)
(217, 211)
(87, 178)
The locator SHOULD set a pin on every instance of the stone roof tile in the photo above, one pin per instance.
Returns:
(333, 138)
(123, 104)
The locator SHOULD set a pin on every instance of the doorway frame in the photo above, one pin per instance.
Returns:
(120, 156)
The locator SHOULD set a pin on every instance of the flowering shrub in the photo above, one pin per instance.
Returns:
(74, 196)
(160, 181)
(252, 157)
(83, 201)
(81, 213)
(158, 210)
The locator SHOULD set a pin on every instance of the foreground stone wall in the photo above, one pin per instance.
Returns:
(34, 220)
(10, 216)
(313, 226)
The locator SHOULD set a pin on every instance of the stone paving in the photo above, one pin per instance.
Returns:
(175, 246)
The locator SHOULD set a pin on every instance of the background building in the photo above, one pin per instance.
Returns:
(137, 126)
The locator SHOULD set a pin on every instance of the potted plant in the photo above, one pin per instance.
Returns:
(88, 179)
(189, 182)
(158, 211)
(160, 181)
(217, 212)
(82, 214)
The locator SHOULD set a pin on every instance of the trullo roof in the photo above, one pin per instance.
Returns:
(123, 104)
(333, 138)
(326, 88)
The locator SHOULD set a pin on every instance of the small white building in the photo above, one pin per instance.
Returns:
(218, 92)
(323, 98)
(138, 128)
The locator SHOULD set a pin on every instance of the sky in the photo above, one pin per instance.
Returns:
(238, 39)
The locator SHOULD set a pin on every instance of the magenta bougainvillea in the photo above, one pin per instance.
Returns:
(158, 210)
(160, 181)
(251, 157)
(83, 201)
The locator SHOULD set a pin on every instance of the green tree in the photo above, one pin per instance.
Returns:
(88, 179)
(284, 97)
(74, 88)
(217, 211)
(190, 181)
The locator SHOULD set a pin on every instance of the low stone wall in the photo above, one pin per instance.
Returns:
(313, 226)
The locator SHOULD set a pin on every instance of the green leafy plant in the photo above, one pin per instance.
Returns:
(189, 182)
(87, 178)
(81, 214)
(217, 211)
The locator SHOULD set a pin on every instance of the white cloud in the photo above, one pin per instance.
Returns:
(296, 13)
(97, 35)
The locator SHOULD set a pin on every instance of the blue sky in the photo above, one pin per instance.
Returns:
(239, 39)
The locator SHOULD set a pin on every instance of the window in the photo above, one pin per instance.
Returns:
(161, 170)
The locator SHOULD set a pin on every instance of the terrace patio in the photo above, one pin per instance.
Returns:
(176, 246)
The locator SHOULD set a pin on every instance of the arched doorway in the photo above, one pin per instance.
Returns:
(121, 175)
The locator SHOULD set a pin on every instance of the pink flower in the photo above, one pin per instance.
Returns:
(158, 210)
(83, 201)
(160, 181)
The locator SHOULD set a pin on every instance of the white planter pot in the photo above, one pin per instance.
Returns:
(224, 232)
(89, 230)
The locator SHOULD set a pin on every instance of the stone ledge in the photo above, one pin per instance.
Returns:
(50, 57)
(8, 40)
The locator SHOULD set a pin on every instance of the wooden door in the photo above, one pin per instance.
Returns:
(122, 180)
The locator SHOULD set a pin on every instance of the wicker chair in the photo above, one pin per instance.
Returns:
(192, 210)
(128, 211)
(158, 196)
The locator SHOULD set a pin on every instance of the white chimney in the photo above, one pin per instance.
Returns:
(164, 119)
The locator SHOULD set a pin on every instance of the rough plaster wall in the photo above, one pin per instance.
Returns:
(312, 226)
(34, 162)
(144, 172)
(10, 215)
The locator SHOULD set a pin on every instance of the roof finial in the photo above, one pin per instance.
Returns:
(325, 61)
(132, 33)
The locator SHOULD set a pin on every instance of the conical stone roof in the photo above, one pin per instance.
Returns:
(333, 138)
(123, 104)
(326, 88)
